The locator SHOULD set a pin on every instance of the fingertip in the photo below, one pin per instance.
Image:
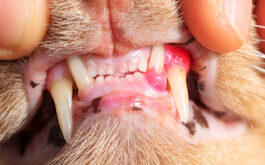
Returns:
(23, 26)
(221, 26)
(260, 11)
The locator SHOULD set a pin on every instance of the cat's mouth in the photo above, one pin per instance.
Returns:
(149, 81)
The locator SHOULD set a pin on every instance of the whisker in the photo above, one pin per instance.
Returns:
(259, 40)
(262, 70)
(258, 26)
(254, 53)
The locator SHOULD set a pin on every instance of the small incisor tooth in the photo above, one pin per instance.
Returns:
(157, 58)
(61, 92)
(79, 72)
(177, 82)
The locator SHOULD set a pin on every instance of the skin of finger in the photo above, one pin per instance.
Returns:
(26, 30)
(210, 26)
(13, 17)
(260, 11)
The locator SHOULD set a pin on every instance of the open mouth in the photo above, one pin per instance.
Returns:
(149, 80)
(159, 82)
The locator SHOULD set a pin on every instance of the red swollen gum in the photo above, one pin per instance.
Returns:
(175, 55)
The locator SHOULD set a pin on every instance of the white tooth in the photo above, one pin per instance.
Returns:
(110, 71)
(61, 92)
(123, 69)
(79, 72)
(129, 77)
(100, 79)
(132, 67)
(101, 71)
(177, 81)
(157, 58)
(143, 65)
(137, 75)
(90, 65)
(92, 72)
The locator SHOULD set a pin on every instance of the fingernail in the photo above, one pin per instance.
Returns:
(239, 13)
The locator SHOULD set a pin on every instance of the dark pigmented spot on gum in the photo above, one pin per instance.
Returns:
(95, 104)
(33, 84)
(137, 109)
(200, 119)
(191, 127)
(200, 86)
(219, 114)
(96, 110)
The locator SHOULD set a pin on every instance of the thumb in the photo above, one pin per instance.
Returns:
(219, 25)
(23, 24)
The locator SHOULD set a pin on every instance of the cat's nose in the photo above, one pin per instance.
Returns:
(130, 24)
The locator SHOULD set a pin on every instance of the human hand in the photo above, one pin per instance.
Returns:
(222, 25)
(23, 24)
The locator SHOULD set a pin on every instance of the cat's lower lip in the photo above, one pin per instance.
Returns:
(127, 102)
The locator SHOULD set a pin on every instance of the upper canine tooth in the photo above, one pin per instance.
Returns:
(177, 82)
(79, 72)
(61, 92)
(157, 58)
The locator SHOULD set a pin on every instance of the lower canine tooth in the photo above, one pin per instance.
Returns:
(157, 58)
(79, 72)
(61, 91)
(177, 81)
